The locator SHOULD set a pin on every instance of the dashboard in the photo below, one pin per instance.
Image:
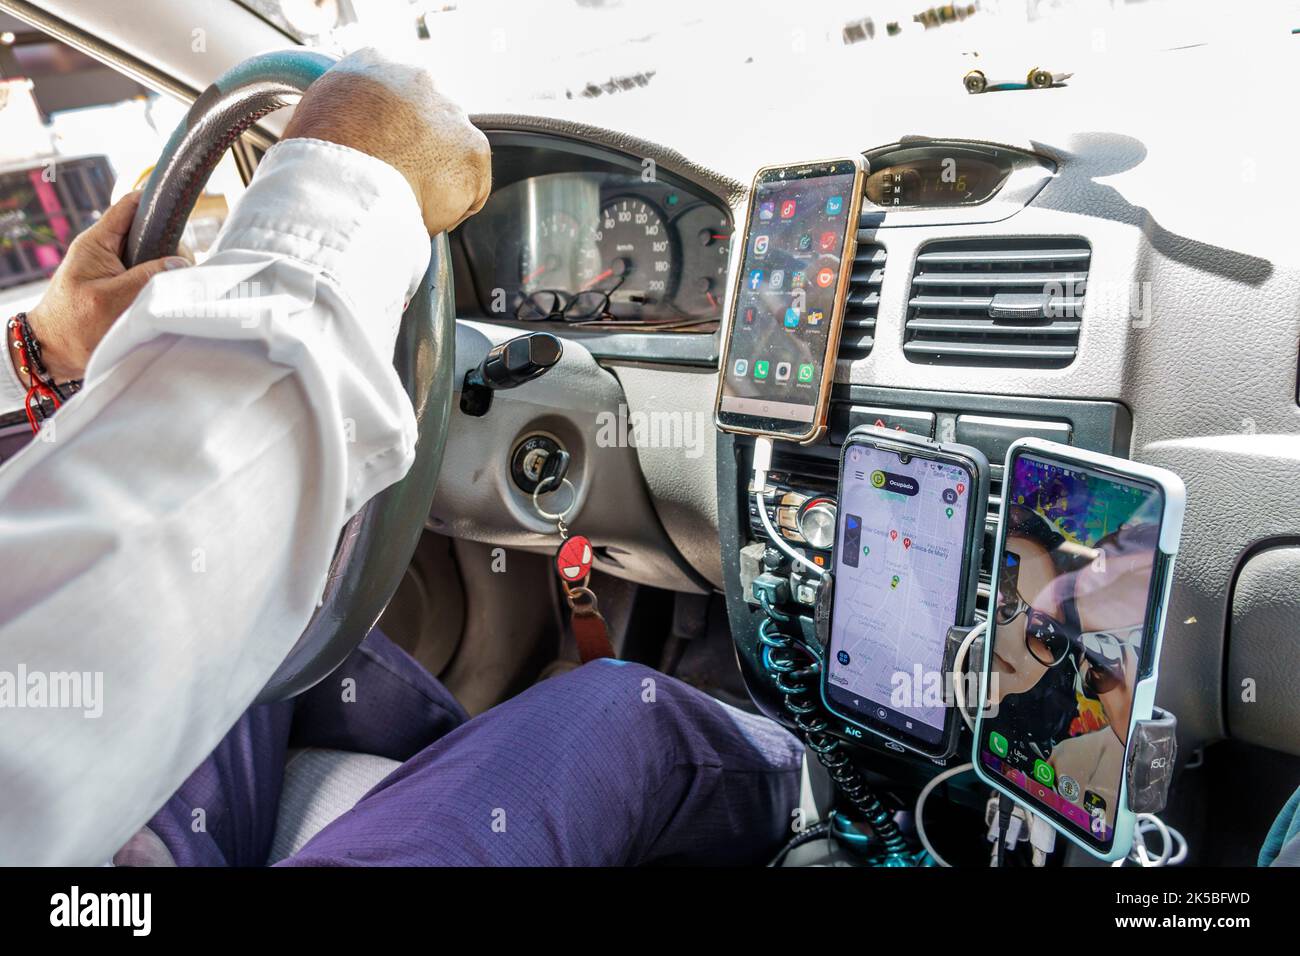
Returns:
(949, 341)
(596, 241)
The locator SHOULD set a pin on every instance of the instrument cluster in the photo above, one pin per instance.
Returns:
(599, 248)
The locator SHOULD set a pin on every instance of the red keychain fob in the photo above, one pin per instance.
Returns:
(573, 560)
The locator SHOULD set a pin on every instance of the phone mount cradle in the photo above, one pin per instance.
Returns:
(1149, 763)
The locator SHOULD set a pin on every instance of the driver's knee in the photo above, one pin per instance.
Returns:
(687, 773)
(631, 704)
(379, 701)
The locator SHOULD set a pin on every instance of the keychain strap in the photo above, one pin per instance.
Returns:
(590, 631)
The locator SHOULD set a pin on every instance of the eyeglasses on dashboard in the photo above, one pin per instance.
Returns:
(558, 305)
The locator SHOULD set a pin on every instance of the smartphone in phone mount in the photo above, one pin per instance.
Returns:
(1081, 578)
(909, 535)
(788, 299)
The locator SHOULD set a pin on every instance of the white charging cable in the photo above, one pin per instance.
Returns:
(919, 813)
(1042, 836)
(1173, 848)
(1019, 825)
(762, 462)
(958, 669)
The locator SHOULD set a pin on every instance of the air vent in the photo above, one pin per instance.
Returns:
(997, 302)
(991, 519)
(863, 304)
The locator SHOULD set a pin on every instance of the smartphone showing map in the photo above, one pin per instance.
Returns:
(911, 521)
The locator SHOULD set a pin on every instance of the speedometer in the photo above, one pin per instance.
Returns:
(637, 256)
(557, 253)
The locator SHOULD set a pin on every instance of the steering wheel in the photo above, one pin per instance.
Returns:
(377, 543)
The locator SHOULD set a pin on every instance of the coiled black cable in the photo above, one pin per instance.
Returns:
(795, 669)
(814, 832)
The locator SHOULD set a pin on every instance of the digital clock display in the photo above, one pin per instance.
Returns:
(937, 180)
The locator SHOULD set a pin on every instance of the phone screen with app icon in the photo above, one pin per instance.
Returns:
(1074, 602)
(901, 571)
(788, 300)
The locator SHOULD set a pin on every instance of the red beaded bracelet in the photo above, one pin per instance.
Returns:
(41, 385)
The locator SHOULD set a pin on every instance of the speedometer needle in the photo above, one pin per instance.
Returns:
(600, 278)
(534, 274)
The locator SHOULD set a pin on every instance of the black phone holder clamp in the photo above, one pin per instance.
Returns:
(816, 634)
(1153, 743)
(1150, 763)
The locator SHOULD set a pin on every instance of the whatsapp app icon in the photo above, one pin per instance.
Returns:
(1044, 773)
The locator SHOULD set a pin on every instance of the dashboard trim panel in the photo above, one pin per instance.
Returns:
(1028, 174)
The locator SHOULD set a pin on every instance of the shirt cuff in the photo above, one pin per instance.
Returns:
(12, 393)
(345, 212)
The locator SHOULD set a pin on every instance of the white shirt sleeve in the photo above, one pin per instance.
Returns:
(165, 539)
(12, 392)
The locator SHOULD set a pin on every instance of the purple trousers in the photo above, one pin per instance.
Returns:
(610, 764)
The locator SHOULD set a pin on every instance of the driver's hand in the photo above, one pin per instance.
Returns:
(390, 109)
(89, 290)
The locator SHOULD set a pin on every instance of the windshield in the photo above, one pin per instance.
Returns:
(569, 57)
